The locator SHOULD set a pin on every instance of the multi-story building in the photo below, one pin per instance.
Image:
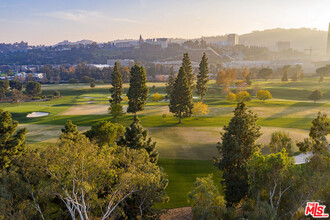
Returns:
(232, 39)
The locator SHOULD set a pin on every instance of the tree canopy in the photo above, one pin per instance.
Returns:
(238, 143)
(138, 90)
(181, 103)
(202, 77)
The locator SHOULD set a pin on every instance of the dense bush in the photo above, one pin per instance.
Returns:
(57, 93)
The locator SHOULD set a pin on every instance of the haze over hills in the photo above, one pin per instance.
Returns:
(300, 39)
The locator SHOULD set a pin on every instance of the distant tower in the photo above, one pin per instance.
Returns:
(232, 39)
(141, 41)
(328, 49)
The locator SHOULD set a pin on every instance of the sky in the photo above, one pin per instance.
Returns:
(51, 21)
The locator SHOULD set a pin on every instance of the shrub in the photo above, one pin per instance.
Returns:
(36, 98)
(73, 80)
(157, 97)
(200, 109)
(263, 95)
(231, 97)
(86, 79)
(125, 99)
(243, 96)
(207, 203)
(212, 92)
(280, 140)
(57, 93)
(50, 96)
(316, 95)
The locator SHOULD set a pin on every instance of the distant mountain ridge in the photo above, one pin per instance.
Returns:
(66, 42)
(300, 38)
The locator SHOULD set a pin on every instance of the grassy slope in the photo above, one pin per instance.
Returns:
(182, 174)
(290, 108)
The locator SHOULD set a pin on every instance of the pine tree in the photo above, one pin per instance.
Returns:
(70, 131)
(236, 148)
(136, 137)
(181, 103)
(202, 77)
(12, 143)
(186, 63)
(321, 78)
(117, 86)
(248, 79)
(170, 84)
(138, 90)
(285, 76)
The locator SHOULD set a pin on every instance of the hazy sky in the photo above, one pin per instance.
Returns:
(50, 21)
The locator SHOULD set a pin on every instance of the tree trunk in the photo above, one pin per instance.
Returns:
(180, 118)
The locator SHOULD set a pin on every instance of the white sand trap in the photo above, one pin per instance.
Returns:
(37, 114)
(302, 158)
(195, 97)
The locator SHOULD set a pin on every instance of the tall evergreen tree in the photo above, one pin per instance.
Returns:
(138, 90)
(181, 103)
(285, 76)
(12, 142)
(236, 148)
(70, 132)
(186, 63)
(170, 84)
(117, 86)
(202, 77)
(136, 137)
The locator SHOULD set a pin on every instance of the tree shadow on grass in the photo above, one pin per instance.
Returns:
(293, 109)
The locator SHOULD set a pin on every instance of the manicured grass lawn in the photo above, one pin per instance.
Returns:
(186, 149)
(157, 121)
(182, 175)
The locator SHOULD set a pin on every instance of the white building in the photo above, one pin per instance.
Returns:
(163, 42)
(232, 39)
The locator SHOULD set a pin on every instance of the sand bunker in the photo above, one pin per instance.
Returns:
(37, 114)
(89, 97)
(87, 110)
(303, 158)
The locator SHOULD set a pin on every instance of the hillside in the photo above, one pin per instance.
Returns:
(300, 39)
